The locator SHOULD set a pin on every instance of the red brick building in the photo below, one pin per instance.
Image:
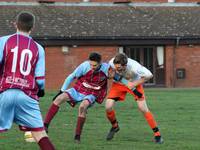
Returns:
(163, 35)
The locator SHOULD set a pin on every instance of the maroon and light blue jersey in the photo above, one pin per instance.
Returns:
(89, 82)
(22, 64)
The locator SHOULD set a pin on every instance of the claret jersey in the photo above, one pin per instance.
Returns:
(22, 64)
(89, 82)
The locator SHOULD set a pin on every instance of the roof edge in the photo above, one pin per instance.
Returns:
(117, 42)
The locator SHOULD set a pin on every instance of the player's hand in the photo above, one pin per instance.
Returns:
(131, 85)
(41, 93)
(111, 73)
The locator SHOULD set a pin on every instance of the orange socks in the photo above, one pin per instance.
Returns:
(111, 117)
(152, 123)
(150, 119)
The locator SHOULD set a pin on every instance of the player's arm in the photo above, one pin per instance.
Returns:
(40, 72)
(111, 73)
(78, 72)
(1, 51)
(65, 85)
(120, 79)
(2, 45)
(68, 81)
(75, 74)
(144, 74)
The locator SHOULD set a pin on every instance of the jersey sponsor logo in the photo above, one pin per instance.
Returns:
(90, 86)
(17, 81)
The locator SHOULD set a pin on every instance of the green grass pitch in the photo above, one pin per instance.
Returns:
(177, 112)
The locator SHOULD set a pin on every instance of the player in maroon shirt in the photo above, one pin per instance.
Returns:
(22, 78)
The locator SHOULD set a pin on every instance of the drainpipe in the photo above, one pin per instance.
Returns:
(174, 60)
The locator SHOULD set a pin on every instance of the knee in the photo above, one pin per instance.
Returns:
(109, 105)
(82, 109)
(140, 108)
(143, 109)
(61, 99)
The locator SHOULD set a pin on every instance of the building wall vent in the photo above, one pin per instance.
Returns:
(180, 73)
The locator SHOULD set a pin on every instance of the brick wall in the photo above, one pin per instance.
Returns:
(60, 65)
(187, 57)
(169, 77)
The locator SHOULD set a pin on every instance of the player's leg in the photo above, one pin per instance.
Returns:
(139, 96)
(43, 140)
(142, 106)
(29, 118)
(110, 114)
(82, 110)
(7, 107)
(116, 93)
(54, 108)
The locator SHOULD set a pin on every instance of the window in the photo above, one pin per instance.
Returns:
(145, 56)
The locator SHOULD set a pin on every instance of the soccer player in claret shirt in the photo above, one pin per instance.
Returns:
(90, 87)
(22, 77)
(129, 77)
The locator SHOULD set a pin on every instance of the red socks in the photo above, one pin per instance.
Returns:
(51, 113)
(45, 144)
(79, 125)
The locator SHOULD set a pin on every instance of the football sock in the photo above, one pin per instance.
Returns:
(152, 123)
(79, 126)
(45, 144)
(111, 117)
(51, 113)
(156, 131)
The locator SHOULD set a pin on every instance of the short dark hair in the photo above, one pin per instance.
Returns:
(25, 21)
(120, 58)
(95, 57)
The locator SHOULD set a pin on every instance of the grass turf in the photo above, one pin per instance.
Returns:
(176, 111)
